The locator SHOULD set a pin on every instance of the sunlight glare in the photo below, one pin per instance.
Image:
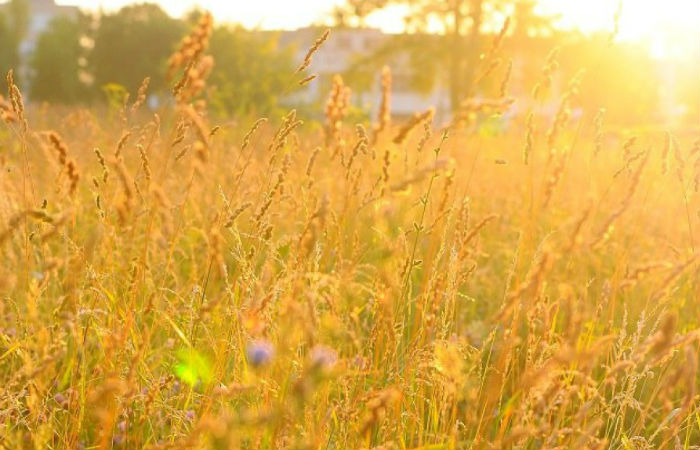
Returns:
(668, 27)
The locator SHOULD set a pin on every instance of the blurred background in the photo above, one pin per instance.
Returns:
(642, 58)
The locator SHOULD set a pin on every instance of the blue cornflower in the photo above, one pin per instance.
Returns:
(259, 352)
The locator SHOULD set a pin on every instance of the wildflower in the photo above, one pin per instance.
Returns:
(61, 399)
(360, 362)
(323, 357)
(260, 352)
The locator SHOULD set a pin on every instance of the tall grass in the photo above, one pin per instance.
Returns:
(167, 282)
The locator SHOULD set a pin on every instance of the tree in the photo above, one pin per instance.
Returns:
(528, 23)
(460, 45)
(18, 14)
(8, 51)
(14, 20)
(56, 63)
(250, 70)
(133, 44)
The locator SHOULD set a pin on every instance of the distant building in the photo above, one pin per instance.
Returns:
(342, 51)
(41, 13)
(347, 48)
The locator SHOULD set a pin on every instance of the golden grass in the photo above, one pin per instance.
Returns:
(170, 284)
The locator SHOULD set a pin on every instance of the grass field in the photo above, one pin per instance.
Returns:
(172, 280)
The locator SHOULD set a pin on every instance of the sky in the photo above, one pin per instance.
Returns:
(662, 24)
(271, 14)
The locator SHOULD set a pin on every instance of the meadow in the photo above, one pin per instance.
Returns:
(169, 280)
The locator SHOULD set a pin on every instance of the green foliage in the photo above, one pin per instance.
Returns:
(134, 44)
(8, 50)
(18, 14)
(56, 63)
(250, 72)
(192, 367)
(453, 56)
(116, 95)
(13, 27)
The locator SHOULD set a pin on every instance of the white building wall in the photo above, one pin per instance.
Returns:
(340, 51)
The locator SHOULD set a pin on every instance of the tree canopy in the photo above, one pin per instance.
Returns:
(8, 51)
(463, 24)
(57, 63)
(250, 70)
(133, 44)
(79, 59)
(13, 27)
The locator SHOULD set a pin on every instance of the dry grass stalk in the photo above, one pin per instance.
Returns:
(384, 113)
(336, 109)
(288, 299)
(141, 95)
(412, 123)
(314, 48)
(506, 78)
(308, 79)
(550, 66)
(16, 100)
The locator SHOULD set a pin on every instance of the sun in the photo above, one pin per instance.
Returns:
(669, 28)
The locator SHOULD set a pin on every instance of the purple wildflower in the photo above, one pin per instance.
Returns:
(118, 440)
(61, 400)
(259, 352)
(323, 357)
